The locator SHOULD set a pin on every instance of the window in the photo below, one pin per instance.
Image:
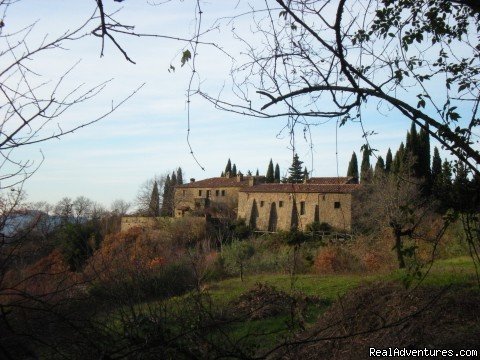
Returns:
(280, 204)
(223, 192)
(208, 193)
(336, 205)
(302, 207)
(199, 192)
(183, 192)
(261, 203)
(217, 192)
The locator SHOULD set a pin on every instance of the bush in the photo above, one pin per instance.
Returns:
(169, 280)
(317, 226)
(241, 230)
(336, 259)
(237, 255)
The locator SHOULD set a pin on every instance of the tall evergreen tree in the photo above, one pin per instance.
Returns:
(461, 185)
(365, 167)
(270, 177)
(167, 190)
(388, 161)
(179, 176)
(257, 173)
(305, 174)
(222, 174)
(398, 160)
(424, 156)
(379, 168)
(154, 207)
(228, 168)
(353, 166)
(412, 151)
(277, 173)
(173, 179)
(444, 194)
(295, 171)
(234, 170)
(436, 171)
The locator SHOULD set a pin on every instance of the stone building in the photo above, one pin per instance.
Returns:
(214, 196)
(270, 207)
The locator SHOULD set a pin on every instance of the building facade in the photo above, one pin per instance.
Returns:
(270, 207)
(214, 196)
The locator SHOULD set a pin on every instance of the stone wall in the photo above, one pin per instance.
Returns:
(196, 199)
(129, 222)
(276, 211)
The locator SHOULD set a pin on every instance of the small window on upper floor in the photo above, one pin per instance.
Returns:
(302, 207)
(217, 192)
(262, 203)
(208, 193)
(223, 192)
(199, 192)
(336, 205)
(280, 204)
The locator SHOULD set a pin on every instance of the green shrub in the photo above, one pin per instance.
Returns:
(317, 226)
(169, 280)
(237, 255)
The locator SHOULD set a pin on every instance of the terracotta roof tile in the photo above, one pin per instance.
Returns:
(332, 180)
(302, 188)
(216, 182)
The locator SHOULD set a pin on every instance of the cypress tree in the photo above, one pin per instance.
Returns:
(412, 150)
(461, 185)
(436, 171)
(257, 173)
(167, 189)
(228, 168)
(179, 176)
(388, 161)
(305, 174)
(173, 179)
(424, 156)
(154, 207)
(445, 186)
(397, 165)
(353, 166)
(270, 177)
(379, 167)
(222, 174)
(365, 167)
(277, 173)
(295, 171)
(234, 170)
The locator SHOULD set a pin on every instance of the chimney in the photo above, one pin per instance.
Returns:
(192, 180)
(239, 177)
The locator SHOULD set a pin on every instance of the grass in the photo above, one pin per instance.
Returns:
(255, 335)
(328, 287)
(454, 271)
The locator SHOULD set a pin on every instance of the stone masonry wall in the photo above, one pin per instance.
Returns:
(189, 197)
(338, 217)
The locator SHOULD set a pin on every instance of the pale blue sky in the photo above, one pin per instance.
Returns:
(147, 135)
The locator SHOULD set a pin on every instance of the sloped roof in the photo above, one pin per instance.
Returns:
(302, 188)
(332, 180)
(217, 182)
